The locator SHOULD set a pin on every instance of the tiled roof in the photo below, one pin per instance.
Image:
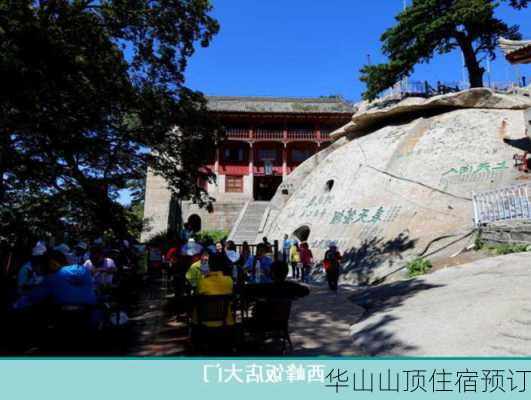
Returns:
(280, 104)
(517, 51)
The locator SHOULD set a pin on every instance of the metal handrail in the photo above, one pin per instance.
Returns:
(504, 204)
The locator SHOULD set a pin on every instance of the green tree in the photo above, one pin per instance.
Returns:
(429, 27)
(89, 91)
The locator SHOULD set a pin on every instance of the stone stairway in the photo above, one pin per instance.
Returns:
(247, 226)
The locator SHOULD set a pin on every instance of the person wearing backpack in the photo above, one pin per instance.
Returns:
(295, 259)
(331, 266)
(307, 261)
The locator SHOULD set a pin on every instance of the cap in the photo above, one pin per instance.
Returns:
(39, 249)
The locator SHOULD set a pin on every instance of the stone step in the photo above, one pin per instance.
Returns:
(249, 223)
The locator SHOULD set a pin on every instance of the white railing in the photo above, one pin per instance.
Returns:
(506, 204)
(409, 87)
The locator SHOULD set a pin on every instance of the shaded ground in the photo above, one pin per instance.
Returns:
(482, 308)
(155, 330)
(320, 323)
(152, 331)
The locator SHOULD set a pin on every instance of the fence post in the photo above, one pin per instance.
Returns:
(474, 204)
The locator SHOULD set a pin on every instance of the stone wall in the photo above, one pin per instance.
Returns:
(157, 213)
(223, 217)
(515, 232)
(156, 206)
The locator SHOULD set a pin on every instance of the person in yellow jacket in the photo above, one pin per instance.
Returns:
(198, 270)
(295, 260)
(215, 283)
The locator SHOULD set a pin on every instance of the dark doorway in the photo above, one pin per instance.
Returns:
(194, 221)
(265, 187)
(302, 233)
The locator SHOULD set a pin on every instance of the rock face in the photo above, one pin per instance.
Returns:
(398, 181)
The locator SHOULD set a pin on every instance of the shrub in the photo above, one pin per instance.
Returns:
(163, 239)
(418, 266)
(478, 242)
(501, 249)
(215, 236)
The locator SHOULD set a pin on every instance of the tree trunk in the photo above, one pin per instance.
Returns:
(475, 70)
(4, 152)
(108, 214)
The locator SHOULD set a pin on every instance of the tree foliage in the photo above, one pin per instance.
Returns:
(90, 90)
(429, 27)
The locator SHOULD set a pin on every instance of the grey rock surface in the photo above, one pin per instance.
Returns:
(404, 187)
(477, 309)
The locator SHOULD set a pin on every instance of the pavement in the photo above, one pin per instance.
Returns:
(478, 309)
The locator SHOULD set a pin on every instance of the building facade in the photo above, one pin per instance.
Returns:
(266, 139)
(516, 51)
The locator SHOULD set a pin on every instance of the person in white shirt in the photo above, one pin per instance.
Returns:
(63, 248)
(102, 268)
(30, 274)
(81, 253)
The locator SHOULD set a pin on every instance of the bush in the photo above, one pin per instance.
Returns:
(417, 267)
(478, 242)
(215, 236)
(501, 249)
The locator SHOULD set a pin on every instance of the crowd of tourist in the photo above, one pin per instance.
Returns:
(83, 276)
(81, 280)
(193, 265)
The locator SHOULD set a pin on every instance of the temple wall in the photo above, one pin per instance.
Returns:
(156, 206)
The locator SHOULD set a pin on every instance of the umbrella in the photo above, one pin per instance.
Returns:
(191, 248)
(233, 255)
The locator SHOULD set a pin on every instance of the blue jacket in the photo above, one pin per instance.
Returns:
(71, 285)
(265, 267)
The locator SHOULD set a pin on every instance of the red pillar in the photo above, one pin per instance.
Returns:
(251, 159)
(285, 161)
(216, 162)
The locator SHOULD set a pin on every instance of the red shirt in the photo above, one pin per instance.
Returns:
(172, 255)
(306, 256)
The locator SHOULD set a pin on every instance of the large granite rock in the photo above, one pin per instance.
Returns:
(370, 115)
(399, 182)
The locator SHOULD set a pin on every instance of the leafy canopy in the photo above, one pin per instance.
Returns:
(88, 89)
(429, 27)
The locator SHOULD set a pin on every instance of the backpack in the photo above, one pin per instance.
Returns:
(330, 259)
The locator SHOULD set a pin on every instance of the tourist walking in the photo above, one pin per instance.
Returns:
(331, 266)
(295, 260)
(245, 253)
(286, 246)
(306, 260)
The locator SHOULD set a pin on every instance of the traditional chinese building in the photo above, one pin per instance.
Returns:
(267, 138)
(516, 51)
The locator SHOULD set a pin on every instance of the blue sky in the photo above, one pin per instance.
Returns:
(312, 48)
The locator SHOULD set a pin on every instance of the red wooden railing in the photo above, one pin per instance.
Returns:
(268, 134)
(238, 133)
(325, 133)
(302, 134)
(276, 134)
